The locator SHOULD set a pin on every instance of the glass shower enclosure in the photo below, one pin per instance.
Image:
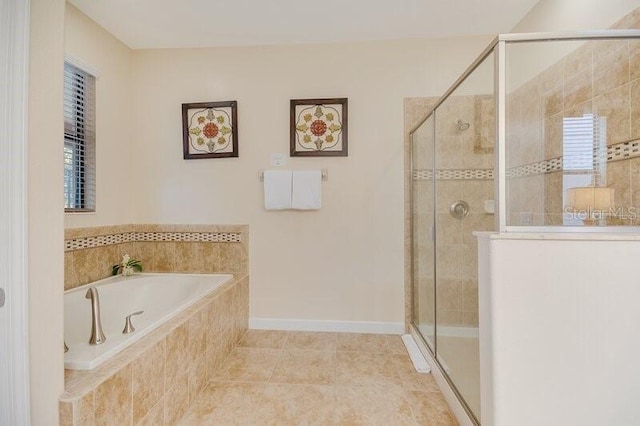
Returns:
(540, 134)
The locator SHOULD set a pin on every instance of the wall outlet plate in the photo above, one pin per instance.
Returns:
(278, 160)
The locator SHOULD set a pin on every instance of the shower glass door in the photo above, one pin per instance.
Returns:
(452, 197)
(423, 191)
(465, 137)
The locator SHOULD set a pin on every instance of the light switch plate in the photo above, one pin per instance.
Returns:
(278, 160)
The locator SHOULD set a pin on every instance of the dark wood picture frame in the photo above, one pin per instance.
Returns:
(303, 127)
(219, 125)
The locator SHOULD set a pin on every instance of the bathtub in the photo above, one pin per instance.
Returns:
(160, 296)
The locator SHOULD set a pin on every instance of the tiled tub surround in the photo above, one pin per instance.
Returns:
(157, 297)
(91, 252)
(598, 77)
(155, 380)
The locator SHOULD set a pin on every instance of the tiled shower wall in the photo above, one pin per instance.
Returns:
(599, 77)
(90, 253)
(464, 171)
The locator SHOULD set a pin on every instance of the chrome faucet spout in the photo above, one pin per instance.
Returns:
(97, 336)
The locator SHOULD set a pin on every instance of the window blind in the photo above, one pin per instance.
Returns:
(583, 150)
(79, 140)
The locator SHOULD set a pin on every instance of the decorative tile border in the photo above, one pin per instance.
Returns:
(126, 237)
(620, 151)
(624, 150)
(454, 174)
(617, 152)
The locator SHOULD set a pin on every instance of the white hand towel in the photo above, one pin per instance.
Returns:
(277, 189)
(307, 190)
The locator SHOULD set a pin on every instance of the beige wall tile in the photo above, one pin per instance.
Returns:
(449, 261)
(450, 317)
(155, 417)
(231, 258)
(618, 177)
(176, 401)
(611, 65)
(470, 295)
(113, 399)
(470, 260)
(197, 377)
(553, 193)
(448, 229)
(210, 257)
(449, 294)
(616, 107)
(634, 59)
(177, 354)
(144, 252)
(70, 279)
(164, 255)
(577, 62)
(578, 89)
(215, 356)
(65, 413)
(552, 102)
(553, 136)
(148, 380)
(197, 325)
(635, 109)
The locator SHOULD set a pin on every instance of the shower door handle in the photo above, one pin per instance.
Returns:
(2, 297)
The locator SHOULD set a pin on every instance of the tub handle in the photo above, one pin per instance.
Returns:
(128, 327)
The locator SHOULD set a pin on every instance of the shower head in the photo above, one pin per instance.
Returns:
(462, 126)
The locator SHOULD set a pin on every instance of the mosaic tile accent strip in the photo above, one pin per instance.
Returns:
(454, 174)
(623, 150)
(126, 237)
(619, 151)
(539, 168)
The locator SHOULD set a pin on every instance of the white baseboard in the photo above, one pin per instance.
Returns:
(326, 325)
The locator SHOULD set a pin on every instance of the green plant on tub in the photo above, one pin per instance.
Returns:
(127, 267)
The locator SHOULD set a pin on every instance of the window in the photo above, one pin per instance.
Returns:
(79, 140)
(584, 160)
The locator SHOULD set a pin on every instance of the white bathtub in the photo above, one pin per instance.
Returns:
(160, 296)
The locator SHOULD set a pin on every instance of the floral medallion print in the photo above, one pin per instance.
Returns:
(210, 130)
(318, 127)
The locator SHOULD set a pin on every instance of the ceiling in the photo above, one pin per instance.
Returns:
(203, 23)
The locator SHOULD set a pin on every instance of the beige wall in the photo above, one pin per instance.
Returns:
(89, 44)
(574, 15)
(46, 226)
(343, 262)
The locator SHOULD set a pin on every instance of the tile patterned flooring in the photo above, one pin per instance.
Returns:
(303, 378)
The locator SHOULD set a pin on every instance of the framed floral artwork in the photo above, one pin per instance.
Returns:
(210, 130)
(318, 127)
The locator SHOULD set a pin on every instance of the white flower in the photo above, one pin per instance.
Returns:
(125, 260)
(127, 271)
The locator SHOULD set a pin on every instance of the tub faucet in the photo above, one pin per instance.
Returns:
(97, 336)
